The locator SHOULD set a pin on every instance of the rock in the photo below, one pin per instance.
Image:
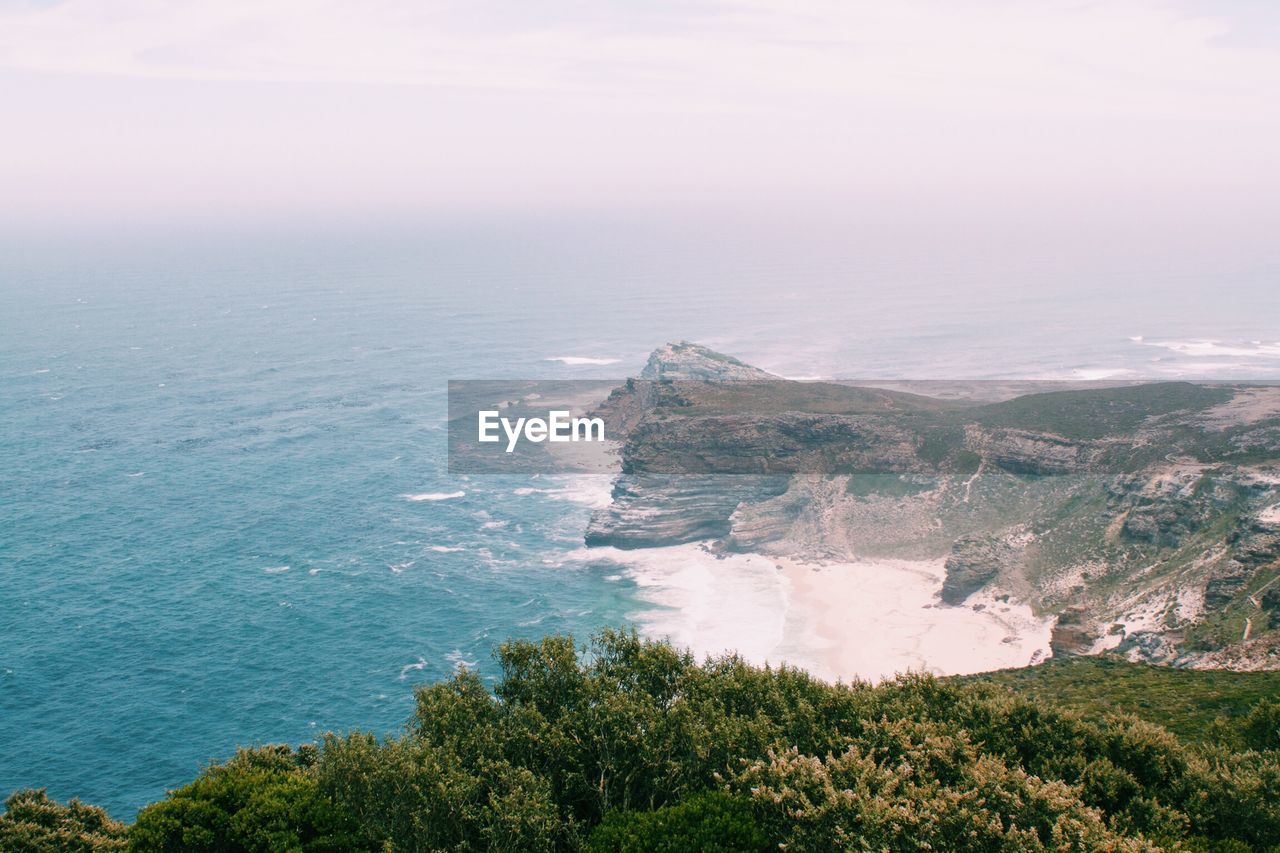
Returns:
(651, 511)
(974, 561)
(685, 360)
(1029, 452)
(1220, 591)
(1270, 603)
(1072, 634)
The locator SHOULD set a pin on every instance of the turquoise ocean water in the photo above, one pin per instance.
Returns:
(222, 511)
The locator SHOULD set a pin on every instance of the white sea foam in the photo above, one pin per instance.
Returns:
(705, 604)
(1213, 348)
(575, 360)
(434, 496)
(444, 549)
(1093, 374)
(457, 660)
(412, 667)
(592, 490)
(276, 570)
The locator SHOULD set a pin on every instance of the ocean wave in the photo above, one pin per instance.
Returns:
(575, 360)
(457, 660)
(434, 496)
(1095, 374)
(592, 490)
(1216, 348)
(444, 549)
(412, 667)
(276, 570)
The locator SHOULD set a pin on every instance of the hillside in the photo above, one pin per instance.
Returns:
(1197, 705)
(1144, 517)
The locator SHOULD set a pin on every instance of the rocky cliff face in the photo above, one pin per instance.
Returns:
(1147, 517)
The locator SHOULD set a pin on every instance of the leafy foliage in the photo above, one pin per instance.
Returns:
(712, 821)
(1262, 727)
(1196, 705)
(33, 823)
(261, 800)
(632, 736)
(629, 744)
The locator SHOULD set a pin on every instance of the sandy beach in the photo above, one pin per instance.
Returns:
(872, 619)
(866, 619)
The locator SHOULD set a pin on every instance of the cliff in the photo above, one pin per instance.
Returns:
(1146, 517)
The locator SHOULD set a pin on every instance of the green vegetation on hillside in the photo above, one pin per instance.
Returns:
(1098, 412)
(1195, 704)
(629, 744)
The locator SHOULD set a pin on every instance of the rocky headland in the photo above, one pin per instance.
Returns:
(1144, 517)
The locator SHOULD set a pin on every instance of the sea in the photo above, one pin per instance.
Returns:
(226, 517)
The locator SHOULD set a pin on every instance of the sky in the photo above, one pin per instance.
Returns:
(149, 111)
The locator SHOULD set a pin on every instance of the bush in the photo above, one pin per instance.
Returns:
(1262, 726)
(33, 823)
(708, 821)
(633, 745)
(263, 799)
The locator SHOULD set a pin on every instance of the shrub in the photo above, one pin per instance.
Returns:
(713, 821)
(33, 823)
(263, 799)
(633, 745)
(1262, 726)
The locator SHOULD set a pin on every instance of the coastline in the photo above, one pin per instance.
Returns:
(864, 620)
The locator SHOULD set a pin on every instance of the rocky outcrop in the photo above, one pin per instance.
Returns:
(1146, 518)
(1165, 506)
(650, 511)
(1026, 452)
(1222, 590)
(685, 360)
(975, 560)
(1073, 634)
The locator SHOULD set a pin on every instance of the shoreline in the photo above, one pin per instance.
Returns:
(864, 620)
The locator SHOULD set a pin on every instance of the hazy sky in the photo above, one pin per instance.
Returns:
(124, 110)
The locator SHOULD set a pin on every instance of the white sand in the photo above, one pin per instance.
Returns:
(873, 619)
(866, 620)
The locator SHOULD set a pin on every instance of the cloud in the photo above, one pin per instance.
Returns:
(155, 105)
(1143, 57)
